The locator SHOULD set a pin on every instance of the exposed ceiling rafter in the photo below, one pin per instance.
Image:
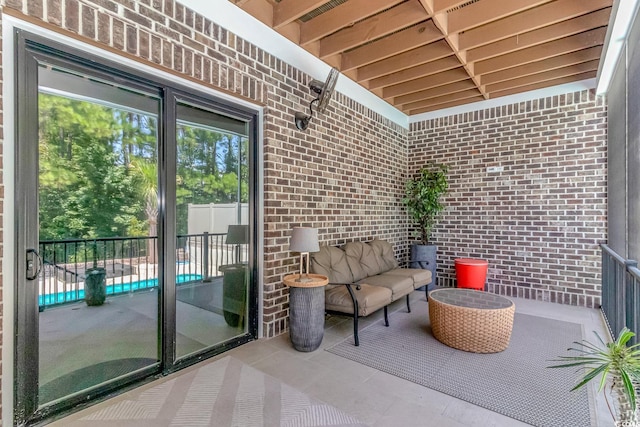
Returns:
(422, 55)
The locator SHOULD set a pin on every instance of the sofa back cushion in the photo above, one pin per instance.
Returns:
(384, 252)
(362, 260)
(331, 262)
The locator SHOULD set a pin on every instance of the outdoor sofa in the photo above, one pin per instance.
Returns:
(363, 278)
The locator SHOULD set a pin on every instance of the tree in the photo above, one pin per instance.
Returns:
(99, 170)
(85, 189)
(422, 198)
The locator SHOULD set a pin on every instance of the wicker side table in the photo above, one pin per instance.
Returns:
(471, 320)
(306, 311)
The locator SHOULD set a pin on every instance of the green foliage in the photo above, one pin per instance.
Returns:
(422, 198)
(98, 170)
(85, 189)
(207, 170)
(614, 362)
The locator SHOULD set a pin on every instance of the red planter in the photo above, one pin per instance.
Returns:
(471, 273)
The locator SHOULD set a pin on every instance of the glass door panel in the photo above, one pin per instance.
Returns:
(132, 213)
(97, 212)
(212, 229)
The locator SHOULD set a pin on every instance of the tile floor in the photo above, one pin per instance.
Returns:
(376, 398)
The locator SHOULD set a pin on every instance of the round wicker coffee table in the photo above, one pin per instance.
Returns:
(471, 320)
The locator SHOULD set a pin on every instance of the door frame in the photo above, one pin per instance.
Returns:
(30, 48)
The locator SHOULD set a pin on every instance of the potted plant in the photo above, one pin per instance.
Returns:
(422, 199)
(95, 284)
(619, 368)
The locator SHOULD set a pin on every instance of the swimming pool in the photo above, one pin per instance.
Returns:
(120, 288)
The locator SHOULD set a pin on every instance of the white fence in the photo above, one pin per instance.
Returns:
(216, 217)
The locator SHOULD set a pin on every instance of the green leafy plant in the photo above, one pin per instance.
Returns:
(617, 365)
(422, 198)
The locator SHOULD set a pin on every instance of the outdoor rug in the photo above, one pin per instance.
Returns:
(515, 382)
(223, 393)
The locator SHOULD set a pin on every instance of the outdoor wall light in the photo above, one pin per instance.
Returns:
(323, 93)
(302, 120)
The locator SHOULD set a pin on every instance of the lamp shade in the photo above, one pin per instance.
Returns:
(237, 235)
(304, 239)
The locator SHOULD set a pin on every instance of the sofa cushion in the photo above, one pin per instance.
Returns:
(362, 260)
(331, 262)
(419, 276)
(384, 252)
(398, 285)
(370, 299)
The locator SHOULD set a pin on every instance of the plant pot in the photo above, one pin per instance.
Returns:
(425, 257)
(95, 286)
(234, 292)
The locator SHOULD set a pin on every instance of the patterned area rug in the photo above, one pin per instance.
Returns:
(515, 382)
(225, 393)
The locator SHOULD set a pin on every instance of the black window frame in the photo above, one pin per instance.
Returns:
(32, 50)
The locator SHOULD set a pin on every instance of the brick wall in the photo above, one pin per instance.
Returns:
(344, 175)
(538, 222)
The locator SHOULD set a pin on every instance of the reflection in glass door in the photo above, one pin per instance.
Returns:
(212, 229)
(97, 193)
(133, 221)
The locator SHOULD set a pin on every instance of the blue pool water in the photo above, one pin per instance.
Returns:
(120, 288)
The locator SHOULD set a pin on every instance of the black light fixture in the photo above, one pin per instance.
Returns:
(302, 120)
(323, 93)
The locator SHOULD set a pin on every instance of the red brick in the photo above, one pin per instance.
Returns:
(72, 15)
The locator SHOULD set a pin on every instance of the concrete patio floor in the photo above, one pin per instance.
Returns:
(377, 398)
(78, 342)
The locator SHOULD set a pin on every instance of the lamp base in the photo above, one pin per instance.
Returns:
(304, 279)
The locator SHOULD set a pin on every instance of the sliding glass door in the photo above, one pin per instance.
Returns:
(212, 186)
(135, 240)
(97, 209)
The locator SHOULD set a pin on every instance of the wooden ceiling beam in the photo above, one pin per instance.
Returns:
(289, 10)
(424, 55)
(425, 83)
(421, 55)
(394, 44)
(441, 20)
(541, 77)
(340, 17)
(572, 58)
(482, 12)
(444, 5)
(548, 83)
(377, 26)
(262, 10)
(430, 68)
(470, 93)
(291, 31)
(434, 92)
(541, 16)
(541, 35)
(539, 52)
(445, 105)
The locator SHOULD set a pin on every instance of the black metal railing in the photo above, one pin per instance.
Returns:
(620, 293)
(130, 263)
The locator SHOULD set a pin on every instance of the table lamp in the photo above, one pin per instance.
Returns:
(304, 240)
(237, 235)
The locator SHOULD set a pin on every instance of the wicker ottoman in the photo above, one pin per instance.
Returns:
(471, 320)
